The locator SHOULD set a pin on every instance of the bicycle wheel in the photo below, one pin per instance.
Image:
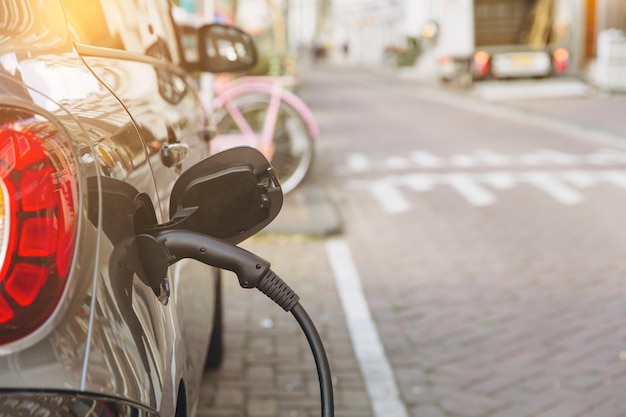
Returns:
(293, 143)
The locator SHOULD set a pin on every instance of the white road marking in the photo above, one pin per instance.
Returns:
(493, 158)
(468, 187)
(531, 159)
(463, 161)
(377, 372)
(604, 157)
(419, 182)
(425, 160)
(506, 90)
(358, 162)
(580, 179)
(554, 187)
(397, 163)
(389, 197)
(474, 187)
(500, 180)
(477, 187)
(617, 178)
(560, 158)
(614, 156)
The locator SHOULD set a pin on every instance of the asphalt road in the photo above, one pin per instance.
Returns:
(487, 242)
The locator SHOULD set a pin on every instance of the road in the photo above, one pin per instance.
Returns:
(488, 246)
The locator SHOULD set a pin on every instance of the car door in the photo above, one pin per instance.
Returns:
(131, 46)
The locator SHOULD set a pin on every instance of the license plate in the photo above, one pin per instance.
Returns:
(521, 64)
(524, 60)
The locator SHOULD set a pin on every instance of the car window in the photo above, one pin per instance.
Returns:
(140, 26)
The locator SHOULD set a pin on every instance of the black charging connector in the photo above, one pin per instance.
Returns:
(252, 272)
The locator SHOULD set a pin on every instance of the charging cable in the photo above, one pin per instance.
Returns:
(252, 272)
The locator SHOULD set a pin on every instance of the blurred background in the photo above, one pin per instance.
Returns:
(428, 38)
(472, 158)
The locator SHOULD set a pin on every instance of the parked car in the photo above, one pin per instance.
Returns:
(501, 39)
(98, 118)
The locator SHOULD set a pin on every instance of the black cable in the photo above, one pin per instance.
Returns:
(321, 360)
(278, 290)
(252, 272)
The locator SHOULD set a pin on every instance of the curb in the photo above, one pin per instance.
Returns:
(307, 210)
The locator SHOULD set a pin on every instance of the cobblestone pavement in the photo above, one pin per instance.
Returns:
(474, 326)
(514, 309)
(511, 310)
(268, 368)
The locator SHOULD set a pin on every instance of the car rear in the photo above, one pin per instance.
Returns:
(80, 333)
(519, 62)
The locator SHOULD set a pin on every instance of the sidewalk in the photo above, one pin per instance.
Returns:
(268, 369)
(307, 210)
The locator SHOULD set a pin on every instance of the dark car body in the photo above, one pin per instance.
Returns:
(95, 108)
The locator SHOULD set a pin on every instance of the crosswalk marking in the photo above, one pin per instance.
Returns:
(389, 197)
(397, 163)
(552, 185)
(464, 173)
(561, 158)
(493, 158)
(604, 158)
(419, 182)
(469, 188)
(580, 179)
(617, 178)
(425, 160)
(613, 156)
(357, 162)
(476, 187)
(464, 161)
(500, 180)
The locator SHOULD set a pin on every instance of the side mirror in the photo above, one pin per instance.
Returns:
(218, 48)
(230, 196)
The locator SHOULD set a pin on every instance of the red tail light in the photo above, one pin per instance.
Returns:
(482, 61)
(560, 60)
(38, 220)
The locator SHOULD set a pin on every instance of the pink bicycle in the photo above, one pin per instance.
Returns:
(259, 111)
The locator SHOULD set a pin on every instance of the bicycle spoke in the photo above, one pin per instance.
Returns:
(292, 152)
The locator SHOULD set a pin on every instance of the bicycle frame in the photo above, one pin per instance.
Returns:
(274, 87)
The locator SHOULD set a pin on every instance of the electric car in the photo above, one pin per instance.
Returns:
(99, 116)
